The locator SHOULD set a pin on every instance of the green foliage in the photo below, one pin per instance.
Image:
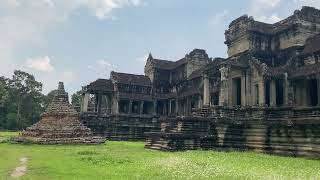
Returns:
(48, 98)
(21, 101)
(129, 160)
(76, 100)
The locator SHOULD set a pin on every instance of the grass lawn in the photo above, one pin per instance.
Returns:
(129, 160)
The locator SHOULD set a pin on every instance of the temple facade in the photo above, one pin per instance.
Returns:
(168, 88)
(265, 95)
(268, 65)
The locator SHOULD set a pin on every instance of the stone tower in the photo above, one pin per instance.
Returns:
(59, 124)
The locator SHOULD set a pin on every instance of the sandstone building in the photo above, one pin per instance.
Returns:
(264, 96)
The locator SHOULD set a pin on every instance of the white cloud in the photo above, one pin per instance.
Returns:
(269, 10)
(25, 23)
(218, 18)
(40, 64)
(264, 4)
(263, 10)
(67, 76)
(314, 3)
(103, 8)
(143, 59)
(269, 19)
(102, 68)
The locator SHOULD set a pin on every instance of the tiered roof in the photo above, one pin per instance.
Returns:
(132, 79)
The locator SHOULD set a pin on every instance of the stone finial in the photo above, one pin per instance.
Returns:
(150, 56)
(61, 94)
(60, 86)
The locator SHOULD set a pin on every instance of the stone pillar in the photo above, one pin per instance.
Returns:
(130, 107)
(85, 103)
(188, 106)
(224, 88)
(273, 93)
(177, 106)
(99, 102)
(141, 107)
(243, 91)
(117, 106)
(200, 102)
(206, 91)
(170, 107)
(318, 90)
(262, 99)
(155, 107)
(286, 89)
(248, 90)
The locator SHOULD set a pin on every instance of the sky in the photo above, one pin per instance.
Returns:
(79, 41)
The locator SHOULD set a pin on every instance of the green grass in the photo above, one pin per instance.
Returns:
(129, 160)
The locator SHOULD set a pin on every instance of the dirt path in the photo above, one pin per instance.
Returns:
(20, 170)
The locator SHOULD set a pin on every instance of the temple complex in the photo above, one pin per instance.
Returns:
(59, 124)
(265, 96)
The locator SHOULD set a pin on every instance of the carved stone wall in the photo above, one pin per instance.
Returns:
(286, 131)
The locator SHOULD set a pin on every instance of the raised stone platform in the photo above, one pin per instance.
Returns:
(282, 131)
(121, 127)
(59, 124)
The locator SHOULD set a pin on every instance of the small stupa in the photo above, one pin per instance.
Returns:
(59, 124)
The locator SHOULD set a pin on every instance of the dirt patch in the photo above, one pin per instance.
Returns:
(20, 170)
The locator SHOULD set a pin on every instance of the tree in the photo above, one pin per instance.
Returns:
(76, 100)
(48, 98)
(3, 101)
(25, 99)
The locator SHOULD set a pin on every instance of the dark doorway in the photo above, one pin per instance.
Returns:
(256, 89)
(173, 107)
(124, 106)
(313, 91)
(267, 93)
(215, 99)
(279, 92)
(237, 90)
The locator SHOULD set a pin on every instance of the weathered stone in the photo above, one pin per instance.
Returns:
(59, 124)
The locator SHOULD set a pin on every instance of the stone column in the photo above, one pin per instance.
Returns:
(187, 106)
(243, 91)
(130, 107)
(99, 102)
(206, 91)
(141, 107)
(248, 91)
(318, 90)
(117, 106)
(273, 93)
(262, 99)
(155, 107)
(170, 107)
(286, 89)
(177, 106)
(85, 103)
(224, 88)
(110, 104)
(200, 102)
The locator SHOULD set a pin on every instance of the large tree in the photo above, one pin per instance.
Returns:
(3, 101)
(26, 99)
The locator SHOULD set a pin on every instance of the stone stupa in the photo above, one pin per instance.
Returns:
(59, 124)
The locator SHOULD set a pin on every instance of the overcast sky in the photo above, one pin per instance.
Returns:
(79, 41)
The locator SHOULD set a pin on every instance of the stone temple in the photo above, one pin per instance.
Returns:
(59, 124)
(265, 96)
